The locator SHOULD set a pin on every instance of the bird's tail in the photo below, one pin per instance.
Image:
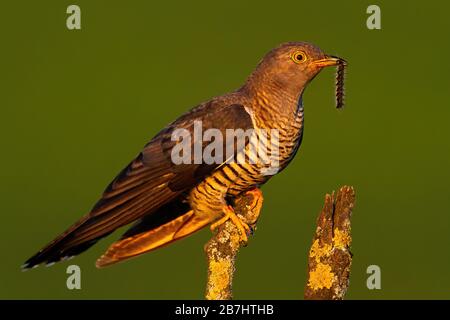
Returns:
(170, 222)
(133, 244)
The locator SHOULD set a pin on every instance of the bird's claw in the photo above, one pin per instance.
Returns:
(252, 230)
(244, 228)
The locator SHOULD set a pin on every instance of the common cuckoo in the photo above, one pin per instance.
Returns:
(168, 201)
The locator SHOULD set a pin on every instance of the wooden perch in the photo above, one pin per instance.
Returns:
(330, 258)
(223, 247)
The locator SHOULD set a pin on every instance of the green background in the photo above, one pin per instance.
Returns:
(77, 106)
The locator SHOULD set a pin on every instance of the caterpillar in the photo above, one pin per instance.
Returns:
(340, 74)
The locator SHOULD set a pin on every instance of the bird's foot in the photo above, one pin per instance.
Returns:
(243, 227)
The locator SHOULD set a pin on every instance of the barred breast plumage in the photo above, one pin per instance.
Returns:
(209, 196)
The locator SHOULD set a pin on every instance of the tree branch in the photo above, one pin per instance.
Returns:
(222, 248)
(330, 258)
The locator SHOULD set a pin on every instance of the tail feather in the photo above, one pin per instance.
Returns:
(59, 250)
(146, 241)
(136, 192)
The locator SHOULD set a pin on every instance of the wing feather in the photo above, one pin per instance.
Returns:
(150, 181)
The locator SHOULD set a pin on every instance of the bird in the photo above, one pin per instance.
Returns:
(164, 201)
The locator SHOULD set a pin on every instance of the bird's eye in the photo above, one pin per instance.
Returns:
(298, 57)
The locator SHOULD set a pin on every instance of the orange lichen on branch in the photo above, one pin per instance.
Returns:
(222, 248)
(321, 277)
(330, 258)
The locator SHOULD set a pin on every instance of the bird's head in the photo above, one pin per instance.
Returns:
(291, 66)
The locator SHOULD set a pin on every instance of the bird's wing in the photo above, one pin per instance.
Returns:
(148, 182)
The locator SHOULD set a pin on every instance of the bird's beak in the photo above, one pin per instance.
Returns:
(329, 61)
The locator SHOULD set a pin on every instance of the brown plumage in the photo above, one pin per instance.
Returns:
(169, 201)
